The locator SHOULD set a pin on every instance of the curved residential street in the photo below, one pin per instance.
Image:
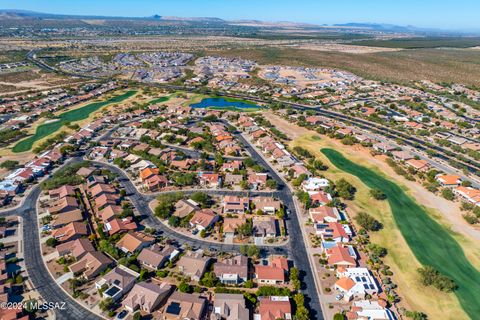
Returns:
(51, 292)
(37, 271)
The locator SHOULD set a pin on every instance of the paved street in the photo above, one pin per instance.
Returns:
(36, 269)
(51, 292)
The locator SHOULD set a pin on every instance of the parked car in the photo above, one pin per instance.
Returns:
(122, 315)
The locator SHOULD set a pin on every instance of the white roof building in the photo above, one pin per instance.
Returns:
(366, 309)
(314, 184)
(356, 283)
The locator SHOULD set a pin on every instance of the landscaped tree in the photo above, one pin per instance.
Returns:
(51, 242)
(106, 304)
(271, 184)
(338, 316)
(345, 189)
(429, 276)
(185, 287)
(295, 278)
(209, 280)
(246, 229)
(377, 194)
(448, 194)
(201, 198)
(367, 222)
(301, 312)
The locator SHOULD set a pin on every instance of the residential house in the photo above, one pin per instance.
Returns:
(384, 147)
(265, 227)
(234, 204)
(212, 180)
(117, 225)
(106, 200)
(232, 271)
(273, 308)
(233, 179)
(193, 264)
(230, 306)
(271, 275)
(184, 306)
(446, 180)
(203, 219)
(257, 180)
(155, 256)
(230, 226)
(266, 204)
(420, 165)
(146, 296)
(75, 248)
(71, 231)
(184, 208)
(333, 231)
(62, 219)
(117, 282)
(341, 256)
(368, 309)
(64, 204)
(320, 197)
(355, 283)
(470, 194)
(91, 265)
(312, 185)
(134, 241)
(62, 192)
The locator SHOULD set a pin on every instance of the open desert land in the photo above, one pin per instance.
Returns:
(345, 48)
(400, 257)
(437, 65)
(32, 79)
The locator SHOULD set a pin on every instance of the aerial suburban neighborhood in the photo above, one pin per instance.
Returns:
(164, 167)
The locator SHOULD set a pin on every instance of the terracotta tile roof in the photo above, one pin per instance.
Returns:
(449, 179)
(339, 255)
(345, 283)
(269, 273)
(73, 229)
(273, 308)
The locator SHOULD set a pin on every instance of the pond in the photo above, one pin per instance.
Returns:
(218, 103)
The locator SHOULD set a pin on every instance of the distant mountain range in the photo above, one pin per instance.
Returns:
(25, 14)
(14, 14)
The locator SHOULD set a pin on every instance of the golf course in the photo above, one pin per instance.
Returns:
(429, 241)
(82, 113)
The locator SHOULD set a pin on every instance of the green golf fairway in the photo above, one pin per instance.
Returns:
(69, 116)
(158, 100)
(429, 241)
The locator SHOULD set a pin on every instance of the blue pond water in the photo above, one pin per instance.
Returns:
(221, 103)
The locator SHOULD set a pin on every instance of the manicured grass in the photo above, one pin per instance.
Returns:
(158, 100)
(430, 242)
(47, 129)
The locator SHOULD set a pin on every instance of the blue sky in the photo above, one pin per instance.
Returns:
(445, 14)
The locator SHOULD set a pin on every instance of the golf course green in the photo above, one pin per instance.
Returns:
(69, 116)
(158, 100)
(429, 241)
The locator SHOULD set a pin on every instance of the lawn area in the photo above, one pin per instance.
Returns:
(158, 100)
(429, 241)
(48, 128)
